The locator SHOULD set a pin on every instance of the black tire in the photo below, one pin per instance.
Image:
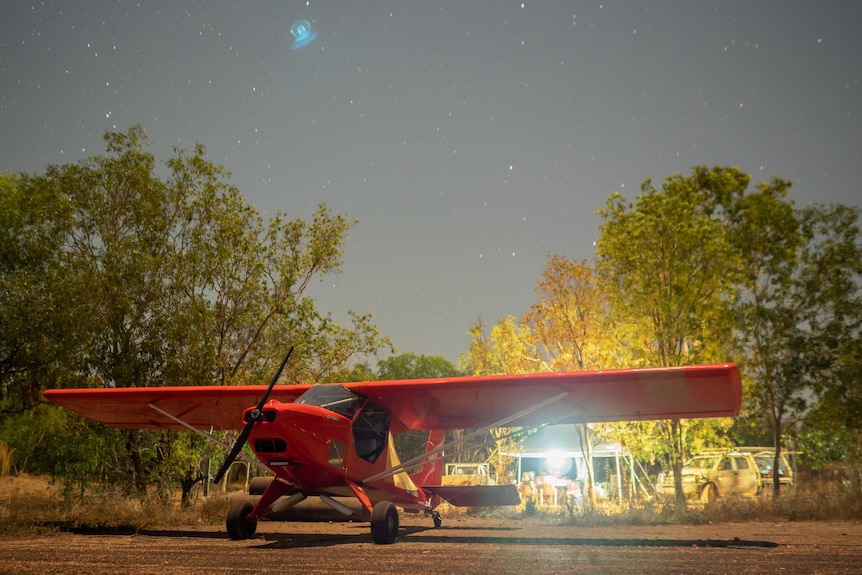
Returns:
(709, 493)
(238, 525)
(438, 519)
(384, 523)
(258, 485)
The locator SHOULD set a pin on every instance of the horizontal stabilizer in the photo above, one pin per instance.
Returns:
(476, 495)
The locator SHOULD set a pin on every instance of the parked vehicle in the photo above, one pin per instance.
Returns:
(468, 474)
(745, 472)
(764, 458)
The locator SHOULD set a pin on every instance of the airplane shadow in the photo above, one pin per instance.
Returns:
(455, 535)
(296, 541)
(460, 535)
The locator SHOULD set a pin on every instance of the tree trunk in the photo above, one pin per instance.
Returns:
(187, 483)
(587, 450)
(776, 461)
(133, 448)
(676, 460)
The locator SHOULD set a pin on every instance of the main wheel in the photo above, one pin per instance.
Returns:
(238, 524)
(709, 494)
(384, 523)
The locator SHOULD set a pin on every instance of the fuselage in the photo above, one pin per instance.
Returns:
(328, 441)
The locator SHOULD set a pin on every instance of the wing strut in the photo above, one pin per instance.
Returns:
(208, 437)
(500, 423)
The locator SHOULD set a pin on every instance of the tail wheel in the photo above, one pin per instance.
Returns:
(438, 519)
(238, 525)
(384, 523)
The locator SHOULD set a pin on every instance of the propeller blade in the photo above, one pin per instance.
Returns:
(265, 397)
(237, 447)
(252, 418)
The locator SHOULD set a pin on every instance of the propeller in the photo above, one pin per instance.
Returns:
(252, 418)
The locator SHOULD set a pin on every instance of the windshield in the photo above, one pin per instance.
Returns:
(764, 464)
(335, 398)
(701, 463)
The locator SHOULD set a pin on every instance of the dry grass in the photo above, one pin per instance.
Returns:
(32, 505)
(35, 505)
(5, 458)
(819, 501)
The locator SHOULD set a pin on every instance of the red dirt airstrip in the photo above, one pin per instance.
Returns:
(477, 546)
(470, 545)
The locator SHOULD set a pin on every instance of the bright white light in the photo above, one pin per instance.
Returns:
(557, 463)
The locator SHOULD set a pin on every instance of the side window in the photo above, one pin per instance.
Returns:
(725, 465)
(370, 431)
(741, 463)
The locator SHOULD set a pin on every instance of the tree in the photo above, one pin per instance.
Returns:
(668, 270)
(832, 429)
(412, 366)
(408, 365)
(570, 321)
(799, 303)
(36, 301)
(573, 332)
(180, 281)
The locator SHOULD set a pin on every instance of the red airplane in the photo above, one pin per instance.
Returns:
(337, 440)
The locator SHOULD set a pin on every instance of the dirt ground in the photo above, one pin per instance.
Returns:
(534, 546)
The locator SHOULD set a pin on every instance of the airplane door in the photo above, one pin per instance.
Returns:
(370, 432)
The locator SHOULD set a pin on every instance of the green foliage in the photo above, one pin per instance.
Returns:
(798, 313)
(408, 365)
(412, 366)
(665, 257)
(706, 270)
(668, 268)
(38, 324)
(36, 437)
(360, 371)
(832, 430)
(116, 272)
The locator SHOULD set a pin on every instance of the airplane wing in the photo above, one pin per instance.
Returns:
(445, 403)
(203, 407)
(576, 397)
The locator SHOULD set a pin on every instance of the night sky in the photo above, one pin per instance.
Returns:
(470, 139)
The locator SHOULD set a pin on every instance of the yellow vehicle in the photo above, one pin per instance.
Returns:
(712, 475)
(467, 474)
(743, 471)
(764, 458)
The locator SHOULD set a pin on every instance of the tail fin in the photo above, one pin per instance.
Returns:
(431, 472)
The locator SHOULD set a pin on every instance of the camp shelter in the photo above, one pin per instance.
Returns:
(559, 450)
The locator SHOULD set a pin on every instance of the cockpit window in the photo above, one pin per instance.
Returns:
(335, 398)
